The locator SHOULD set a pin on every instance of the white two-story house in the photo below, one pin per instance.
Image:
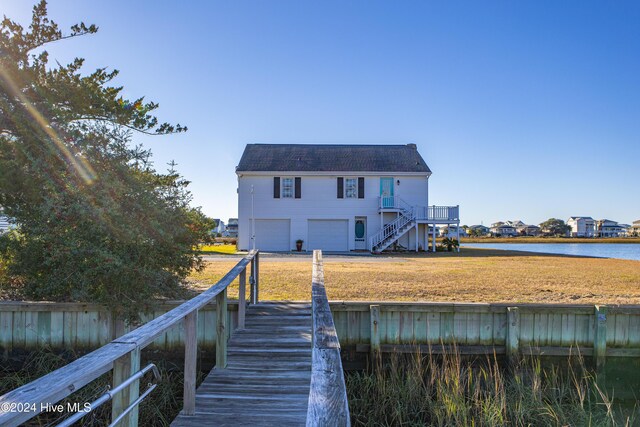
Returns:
(336, 198)
(582, 226)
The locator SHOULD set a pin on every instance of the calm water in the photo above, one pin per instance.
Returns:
(603, 250)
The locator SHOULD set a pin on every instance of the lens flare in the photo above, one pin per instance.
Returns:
(81, 166)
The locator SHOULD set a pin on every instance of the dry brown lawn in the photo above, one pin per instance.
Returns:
(474, 275)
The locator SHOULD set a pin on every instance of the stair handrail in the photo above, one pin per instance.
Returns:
(391, 228)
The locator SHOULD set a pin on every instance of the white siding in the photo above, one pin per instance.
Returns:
(328, 235)
(319, 201)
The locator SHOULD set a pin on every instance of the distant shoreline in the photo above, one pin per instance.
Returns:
(464, 240)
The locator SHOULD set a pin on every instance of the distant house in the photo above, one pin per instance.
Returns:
(219, 228)
(635, 229)
(232, 228)
(502, 229)
(336, 198)
(529, 230)
(451, 231)
(625, 230)
(4, 224)
(515, 224)
(478, 230)
(523, 229)
(582, 226)
(609, 228)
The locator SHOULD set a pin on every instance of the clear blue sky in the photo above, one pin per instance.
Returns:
(523, 110)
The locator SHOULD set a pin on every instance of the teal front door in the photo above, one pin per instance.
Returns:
(386, 192)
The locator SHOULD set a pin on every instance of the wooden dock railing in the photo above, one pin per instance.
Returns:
(328, 404)
(122, 355)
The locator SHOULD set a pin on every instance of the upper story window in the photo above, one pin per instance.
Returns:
(350, 187)
(287, 187)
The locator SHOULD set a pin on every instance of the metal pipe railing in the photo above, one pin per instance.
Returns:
(108, 395)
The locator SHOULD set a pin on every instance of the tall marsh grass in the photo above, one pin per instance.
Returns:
(453, 391)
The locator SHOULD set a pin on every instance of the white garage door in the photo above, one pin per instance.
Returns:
(272, 235)
(328, 235)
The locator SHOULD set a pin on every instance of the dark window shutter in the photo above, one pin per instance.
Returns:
(298, 182)
(361, 188)
(276, 187)
(340, 188)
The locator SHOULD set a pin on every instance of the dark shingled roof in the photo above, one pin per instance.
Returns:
(331, 158)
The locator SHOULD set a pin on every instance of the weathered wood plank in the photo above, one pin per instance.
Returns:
(6, 331)
(190, 362)
(582, 330)
(473, 329)
(486, 329)
(221, 337)
(621, 330)
(328, 404)
(353, 329)
(600, 341)
(568, 329)
(513, 333)
(500, 328)
(460, 327)
(555, 329)
(433, 327)
(405, 330)
(375, 331)
(419, 327)
(31, 329)
(242, 299)
(44, 328)
(70, 329)
(634, 330)
(447, 328)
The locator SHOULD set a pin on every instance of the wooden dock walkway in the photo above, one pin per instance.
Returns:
(280, 367)
(268, 375)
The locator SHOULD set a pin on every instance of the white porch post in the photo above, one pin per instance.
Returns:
(458, 235)
(417, 237)
(433, 233)
(426, 237)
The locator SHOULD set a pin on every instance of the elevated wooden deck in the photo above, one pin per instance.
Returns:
(268, 374)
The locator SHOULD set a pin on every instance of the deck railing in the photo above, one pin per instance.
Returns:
(122, 355)
(437, 213)
(433, 212)
(393, 202)
(328, 404)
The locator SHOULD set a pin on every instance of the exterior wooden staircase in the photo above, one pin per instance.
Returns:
(394, 230)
